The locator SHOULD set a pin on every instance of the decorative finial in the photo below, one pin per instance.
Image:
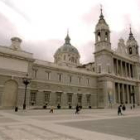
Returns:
(101, 8)
(68, 31)
(131, 37)
(67, 39)
(130, 30)
(101, 15)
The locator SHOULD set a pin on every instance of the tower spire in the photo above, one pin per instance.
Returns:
(67, 39)
(131, 34)
(101, 15)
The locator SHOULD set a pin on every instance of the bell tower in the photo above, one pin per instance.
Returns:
(102, 34)
(132, 46)
(103, 61)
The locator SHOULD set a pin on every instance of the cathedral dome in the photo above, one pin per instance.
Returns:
(67, 48)
(67, 54)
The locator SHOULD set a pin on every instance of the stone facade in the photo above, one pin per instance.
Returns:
(113, 78)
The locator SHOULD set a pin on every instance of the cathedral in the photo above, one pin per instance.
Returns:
(112, 79)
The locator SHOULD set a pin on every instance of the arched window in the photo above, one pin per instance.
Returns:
(99, 36)
(72, 59)
(130, 50)
(106, 36)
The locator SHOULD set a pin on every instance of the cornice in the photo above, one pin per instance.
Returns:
(118, 78)
(62, 84)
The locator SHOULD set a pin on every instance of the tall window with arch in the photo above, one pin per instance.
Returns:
(99, 36)
(106, 36)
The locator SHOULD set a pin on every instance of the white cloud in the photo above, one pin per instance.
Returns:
(43, 20)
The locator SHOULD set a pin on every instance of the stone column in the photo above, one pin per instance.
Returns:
(117, 66)
(126, 74)
(135, 94)
(121, 71)
(128, 94)
(132, 70)
(137, 89)
(131, 101)
(118, 93)
(115, 94)
(129, 70)
(123, 94)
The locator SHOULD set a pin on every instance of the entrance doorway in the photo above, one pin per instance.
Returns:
(9, 96)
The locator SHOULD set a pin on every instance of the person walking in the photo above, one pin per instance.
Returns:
(51, 109)
(119, 110)
(77, 109)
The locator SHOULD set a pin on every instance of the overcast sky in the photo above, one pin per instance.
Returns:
(43, 24)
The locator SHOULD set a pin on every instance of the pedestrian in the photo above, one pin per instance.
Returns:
(51, 109)
(77, 109)
(119, 110)
(123, 107)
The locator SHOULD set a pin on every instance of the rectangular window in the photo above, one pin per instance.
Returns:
(79, 80)
(59, 77)
(70, 79)
(87, 81)
(33, 97)
(79, 99)
(48, 74)
(69, 98)
(35, 73)
(46, 96)
(99, 68)
(58, 100)
(108, 68)
(88, 99)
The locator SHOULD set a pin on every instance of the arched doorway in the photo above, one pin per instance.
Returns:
(9, 96)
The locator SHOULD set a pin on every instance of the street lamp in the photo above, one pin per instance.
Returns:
(26, 81)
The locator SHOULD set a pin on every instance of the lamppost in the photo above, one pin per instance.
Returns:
(26, 81)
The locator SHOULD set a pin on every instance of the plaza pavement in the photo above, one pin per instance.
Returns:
(90, 124)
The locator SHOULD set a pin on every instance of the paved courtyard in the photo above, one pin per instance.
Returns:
(90, 124)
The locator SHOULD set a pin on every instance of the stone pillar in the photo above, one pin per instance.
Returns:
(126, 74)
(123, 94)
(117, 66)
(131, 100)
(118, 93)
(125, 91)
(129, 70)
(137, 89)
(128, 94)
(135, 98)
(121, 73)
